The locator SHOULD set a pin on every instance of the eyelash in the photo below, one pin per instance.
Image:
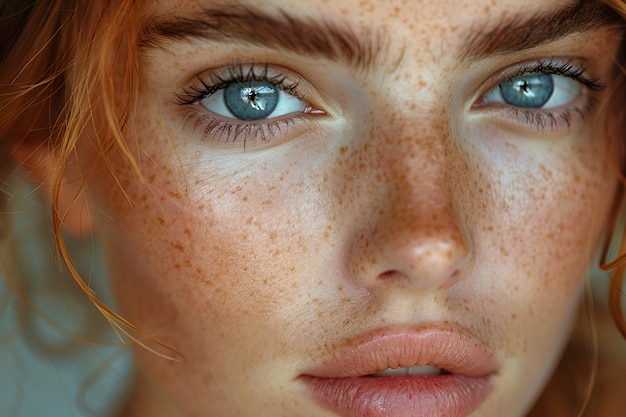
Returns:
(543, 120)
(231, 130)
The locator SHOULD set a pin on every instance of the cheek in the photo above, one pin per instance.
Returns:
(214, 263)
(199, 248)
(207, 266)
(543, 219)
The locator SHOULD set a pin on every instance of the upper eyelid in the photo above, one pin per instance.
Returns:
(577, 69)
(579, 66)
(313, 93)
(212, 80)
(557, 65)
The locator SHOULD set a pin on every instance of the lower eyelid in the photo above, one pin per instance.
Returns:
(538, 120)
(228, 132)
(554, 119)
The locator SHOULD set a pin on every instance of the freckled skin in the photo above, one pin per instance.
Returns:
(400, 209)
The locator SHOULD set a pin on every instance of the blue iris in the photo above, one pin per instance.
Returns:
(528, 90)
(251, 100)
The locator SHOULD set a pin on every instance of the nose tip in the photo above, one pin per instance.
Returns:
(432, 263)
(427, 255)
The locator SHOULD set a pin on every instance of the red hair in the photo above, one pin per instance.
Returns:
(59, 64)
(616, 146)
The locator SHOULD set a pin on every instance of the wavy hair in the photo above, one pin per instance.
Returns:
(57, 59)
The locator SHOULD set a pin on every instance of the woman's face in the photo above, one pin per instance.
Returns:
(428, 192)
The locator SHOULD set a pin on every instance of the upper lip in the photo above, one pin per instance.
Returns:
(452, 350)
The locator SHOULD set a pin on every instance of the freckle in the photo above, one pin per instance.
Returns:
(178, 247)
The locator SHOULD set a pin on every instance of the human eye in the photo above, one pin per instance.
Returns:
(246, 103)
(544, 95)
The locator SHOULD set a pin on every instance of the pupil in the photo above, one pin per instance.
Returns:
(524, 87)
(251, 100)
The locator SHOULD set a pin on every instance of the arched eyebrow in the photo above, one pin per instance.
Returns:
(317, 37)
(516, 33)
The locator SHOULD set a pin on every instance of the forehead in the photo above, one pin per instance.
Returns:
(424, 16)
(366, 32)
(401, 9)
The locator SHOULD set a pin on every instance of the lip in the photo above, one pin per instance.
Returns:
(344, 383)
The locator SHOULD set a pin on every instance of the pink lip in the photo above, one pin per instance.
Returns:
(344, 383)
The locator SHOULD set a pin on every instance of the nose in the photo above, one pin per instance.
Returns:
(414, 232)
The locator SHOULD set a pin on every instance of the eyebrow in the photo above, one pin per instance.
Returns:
(338, 41)
(521, 32)
(247, 25)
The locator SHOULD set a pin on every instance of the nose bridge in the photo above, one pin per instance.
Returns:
(416, 234)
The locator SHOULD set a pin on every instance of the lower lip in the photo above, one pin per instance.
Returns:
(401, 396)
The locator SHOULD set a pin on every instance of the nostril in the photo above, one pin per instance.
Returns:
(389, 274)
